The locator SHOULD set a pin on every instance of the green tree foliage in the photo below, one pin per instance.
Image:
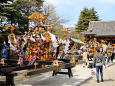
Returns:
(4, 4)
(5, 1)
(86, 15)
(26, 8)
(15, 12)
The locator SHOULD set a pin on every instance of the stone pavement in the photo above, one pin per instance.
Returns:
(109, 78)
(80, 74)
(81, 77)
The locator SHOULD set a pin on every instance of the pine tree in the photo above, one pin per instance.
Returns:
(15, 13)
(86, 15)
(26, 8)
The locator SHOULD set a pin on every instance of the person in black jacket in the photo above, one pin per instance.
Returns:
(113, 54)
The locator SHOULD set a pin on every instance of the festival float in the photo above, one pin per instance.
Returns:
(37, 51)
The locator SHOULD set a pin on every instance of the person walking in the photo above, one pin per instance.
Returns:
(99, 61)
(85, 58)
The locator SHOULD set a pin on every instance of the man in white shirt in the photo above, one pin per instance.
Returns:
(104, 47)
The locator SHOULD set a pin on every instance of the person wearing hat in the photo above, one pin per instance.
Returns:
(5, 52)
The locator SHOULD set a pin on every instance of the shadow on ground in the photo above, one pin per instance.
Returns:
(85, 81)
(2, 83)
(106, 80)
(59, 80)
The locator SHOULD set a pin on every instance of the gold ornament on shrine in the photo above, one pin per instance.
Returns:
(38, 16)
(12, 35)
(65, 33)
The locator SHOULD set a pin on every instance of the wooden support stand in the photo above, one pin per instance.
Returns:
(69, 72)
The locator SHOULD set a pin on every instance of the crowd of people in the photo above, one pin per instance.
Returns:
(87, 51)
(97, 53)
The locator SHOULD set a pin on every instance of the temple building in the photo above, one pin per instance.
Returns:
(102, 30)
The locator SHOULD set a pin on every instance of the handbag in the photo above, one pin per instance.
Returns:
(92, 72)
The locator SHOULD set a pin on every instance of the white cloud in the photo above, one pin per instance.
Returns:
(54, 2)
(62, 2)
(71, 8)
(74, 2)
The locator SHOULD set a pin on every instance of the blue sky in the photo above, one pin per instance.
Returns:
(70, 9)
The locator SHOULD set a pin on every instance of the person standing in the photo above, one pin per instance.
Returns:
(109, 52)
(99, 61)
(113, 53)
(5, 52)
(85, 57)
(62, 55)
(106, 56)
(104, 47)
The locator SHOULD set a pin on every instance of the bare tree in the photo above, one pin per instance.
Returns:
(53, 18)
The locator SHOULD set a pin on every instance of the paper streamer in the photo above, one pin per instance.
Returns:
(43, 38)
(20, 59)
(54, 40)
(31, 38)
(11, 45)
(66, 46)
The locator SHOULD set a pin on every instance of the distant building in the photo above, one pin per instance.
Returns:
(102, 30)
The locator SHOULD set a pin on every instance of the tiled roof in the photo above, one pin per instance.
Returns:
(101, 28)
